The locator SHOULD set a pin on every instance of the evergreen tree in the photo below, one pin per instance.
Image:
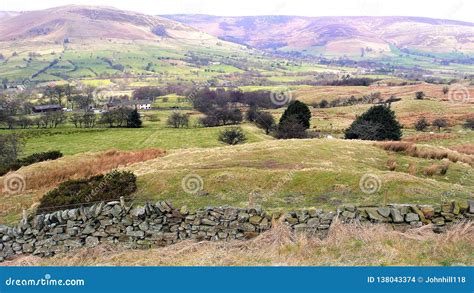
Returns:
(378, 123)
(300, 111)
(134, 120)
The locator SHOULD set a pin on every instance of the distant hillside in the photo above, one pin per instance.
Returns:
(87, 41)
(73, 21)
(339, 35)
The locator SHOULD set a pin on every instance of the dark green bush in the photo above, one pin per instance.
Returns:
(34, 158)
(377, 123)
(87, 191)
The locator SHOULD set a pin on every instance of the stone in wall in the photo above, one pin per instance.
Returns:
(161, 224)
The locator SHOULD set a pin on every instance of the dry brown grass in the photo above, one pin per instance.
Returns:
(392, 164)
(436, 169)
(465, 149)
(50, 173)
(429, 137)
(431, 153)
(346, 245)
(412, 168)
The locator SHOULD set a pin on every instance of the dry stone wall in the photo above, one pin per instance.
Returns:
(160, 224)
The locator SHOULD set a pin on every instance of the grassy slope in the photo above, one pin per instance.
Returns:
(294, 173)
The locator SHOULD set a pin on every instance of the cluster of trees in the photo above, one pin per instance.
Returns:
(178, 120)
(148, 93)
(11, 146)
(352, 81)
(205, 99)
(422, 124)
(69, 96)
(122, 117)
(293, 123)
(83, 120)
(15, 111)
(373, 98)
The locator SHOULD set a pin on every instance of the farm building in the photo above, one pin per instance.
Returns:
(46, 108)
(135, 104)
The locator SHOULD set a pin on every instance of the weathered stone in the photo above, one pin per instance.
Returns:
(247, 227)
(313, 222)
(410, 217)
(470, 203)
(27, 248)
(375, 216)
(300, 227)
(143, 226)
(92, 241)
(348, 215)
(184, 210)
(428, 212)
(438, 221)
(384, 211)
(255, 220)
(446, 207)
(350, 208)
(135, 233)
(106, 222)
(463, 206)
(456, 208)
(140, 212)
(243, 217)
(420, 214)
(396, 215)
(208, 222)
(88, 230)
(292, 221)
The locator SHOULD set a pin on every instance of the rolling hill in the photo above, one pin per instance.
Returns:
(353, 36)
(86, 42)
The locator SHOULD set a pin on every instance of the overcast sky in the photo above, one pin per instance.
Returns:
(446, 9)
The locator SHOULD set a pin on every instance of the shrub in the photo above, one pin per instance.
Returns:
(178, 120)
(134, 120)
(420, 95)
(291, 128)
(86, 191)
(421, 124)
(378, 123)
(209, 121)
(265, 120)
(323, 104)
(440, 123)
(232, 136)
(298, 111)
(469, 124)
(251, 114)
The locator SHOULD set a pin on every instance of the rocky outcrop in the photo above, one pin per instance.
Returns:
(160, 224)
